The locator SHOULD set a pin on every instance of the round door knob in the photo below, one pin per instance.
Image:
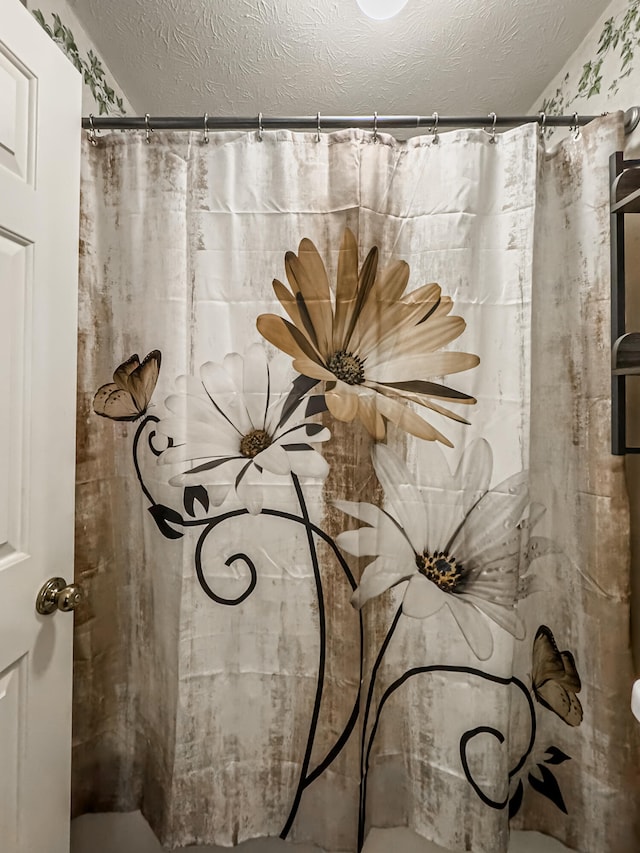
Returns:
(56, 594)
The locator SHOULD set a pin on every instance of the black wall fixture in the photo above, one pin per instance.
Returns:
(625, 346)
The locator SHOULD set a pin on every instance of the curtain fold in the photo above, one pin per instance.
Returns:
(355, 549)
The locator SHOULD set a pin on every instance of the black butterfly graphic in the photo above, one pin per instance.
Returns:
(128, 396)
(555, 678)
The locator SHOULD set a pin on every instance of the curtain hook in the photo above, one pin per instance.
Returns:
(92, 131)
(542, 121)
(375, 127)
(492, 132)
(260, 128)
(318, 130)
(434, 129)
(575, 126)
(205, 134)
(148, 128)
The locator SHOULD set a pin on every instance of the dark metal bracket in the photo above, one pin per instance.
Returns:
(625, 346)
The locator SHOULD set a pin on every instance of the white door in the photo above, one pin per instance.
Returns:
(40, 104)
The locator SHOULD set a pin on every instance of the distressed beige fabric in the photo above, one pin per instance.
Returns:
(219, 659)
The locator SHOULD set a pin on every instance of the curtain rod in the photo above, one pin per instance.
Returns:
(319, 122)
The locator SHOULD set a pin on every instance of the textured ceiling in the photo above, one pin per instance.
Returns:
(293, 57)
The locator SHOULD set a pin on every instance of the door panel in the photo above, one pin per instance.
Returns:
(40, 97)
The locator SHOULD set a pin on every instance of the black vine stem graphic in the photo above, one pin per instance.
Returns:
(464, 740)
(165, 517)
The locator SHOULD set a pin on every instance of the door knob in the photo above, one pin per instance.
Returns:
(56, 594)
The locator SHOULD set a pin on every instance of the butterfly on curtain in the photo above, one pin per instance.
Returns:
(555, 678)
(128, 396)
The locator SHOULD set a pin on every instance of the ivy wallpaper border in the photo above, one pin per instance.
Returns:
(91, 68)
(619, 38)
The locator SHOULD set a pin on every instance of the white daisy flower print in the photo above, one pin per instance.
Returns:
(452, 540)
(242, 418)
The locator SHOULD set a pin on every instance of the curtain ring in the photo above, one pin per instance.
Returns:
(205, 135)
(92, 131)
(318, 130)
(542, 121)
(148, 128)
(575, 126)
(375, 127)
(434, 129)
(260, 128)
(492, 132)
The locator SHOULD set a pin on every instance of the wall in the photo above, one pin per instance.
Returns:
(603, 75)
(107, 96)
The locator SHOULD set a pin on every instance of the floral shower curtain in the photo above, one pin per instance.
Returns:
(356, 551)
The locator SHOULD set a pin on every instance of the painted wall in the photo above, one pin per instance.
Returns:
(101, 92)
(603, 74)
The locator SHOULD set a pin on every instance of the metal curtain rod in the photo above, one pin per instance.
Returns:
(321, 122)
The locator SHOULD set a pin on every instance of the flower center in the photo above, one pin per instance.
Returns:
(443, 570)
(347, 366)
(254, 442)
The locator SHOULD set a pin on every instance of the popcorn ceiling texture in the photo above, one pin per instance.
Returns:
(239, 57)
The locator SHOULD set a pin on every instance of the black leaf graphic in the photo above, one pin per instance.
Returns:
(163, 514)
(299, 387)
(192, 494)
(548, 787)
(516, 801)
(313, 429)
(316, 405)
(556, 756)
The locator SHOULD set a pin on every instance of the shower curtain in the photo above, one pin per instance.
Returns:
(355, 548)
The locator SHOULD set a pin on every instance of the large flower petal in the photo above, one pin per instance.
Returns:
(421, 339)
(506, 617)
(183, 431)
(287, 337)
(193, 452)
(366, 512)
(404, 500)
(308, 279)
(422, 598)
(249, 488)
(346, 288)
(406, 419)
(384, 540)
(382, 316)
(220, 472)
(307, 463)
(492, 521)
(289, 304)
(378, 577)
(370, 416)
(421, 400)
(473, 473)
(275, 459)
(312, 369)
(255, 385)
(225, 396)
(309, 433)
(474, 626)
(342, 402)
(366, 280)
(422, 367)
